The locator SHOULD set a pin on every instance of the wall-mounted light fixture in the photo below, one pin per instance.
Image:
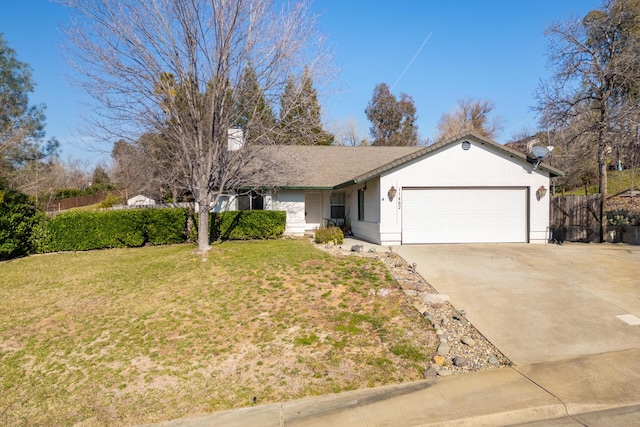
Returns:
(392, 193)
(541, 192)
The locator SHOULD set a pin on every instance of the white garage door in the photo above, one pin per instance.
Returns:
(464, 215)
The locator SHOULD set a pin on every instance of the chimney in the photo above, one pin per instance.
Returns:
(235, 138)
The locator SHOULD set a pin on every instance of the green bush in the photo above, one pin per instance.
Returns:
(623, 217)
(330, 234)
(247, 225)
(110, 200)
(66, 193)
(85, 230)
(17, 219)
(166, 226)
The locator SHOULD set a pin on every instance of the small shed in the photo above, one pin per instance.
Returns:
(140, 200)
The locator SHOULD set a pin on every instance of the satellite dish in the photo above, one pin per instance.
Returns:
(540, 153)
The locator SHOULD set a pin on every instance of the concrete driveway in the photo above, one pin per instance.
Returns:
(540, 303)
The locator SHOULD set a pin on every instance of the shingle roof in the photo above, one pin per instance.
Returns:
(328, 167)
(314, 166)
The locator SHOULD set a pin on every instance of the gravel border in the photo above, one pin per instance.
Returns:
(462, 348)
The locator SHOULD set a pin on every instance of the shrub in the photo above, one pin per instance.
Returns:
(84, 230)
(17, 219)
(247, 225)
(166, 226)
(330, 234)
(66, 193)
(623, 217)
(79, 231)
(41, 236)
(110, 200)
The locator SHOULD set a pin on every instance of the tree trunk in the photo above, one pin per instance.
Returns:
(203, 227)
(602, 169)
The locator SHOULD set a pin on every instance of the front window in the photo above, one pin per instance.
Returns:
(338, 205)
(361, 205)
(250, 202)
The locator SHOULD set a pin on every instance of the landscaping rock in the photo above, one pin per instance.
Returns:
(421, 308)
(435, 299)
(357, 248)
(410, 286)
(493, 361)
(440, 360)
(444, 372)
(460, 361)
(443, 349)
(430, 318)
(430, 373)
(468, 341)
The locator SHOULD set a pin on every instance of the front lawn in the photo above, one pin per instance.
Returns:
(134, 336)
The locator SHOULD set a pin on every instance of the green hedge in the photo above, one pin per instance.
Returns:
(85, 230)
(18, 217)
(166, 226)
(247, 225)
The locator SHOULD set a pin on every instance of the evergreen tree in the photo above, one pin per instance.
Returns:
(300, 114)
(392, 120)
(21, 124)
(255, 115)
(18, 216)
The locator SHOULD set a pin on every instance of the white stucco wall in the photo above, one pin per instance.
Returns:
(291, 201)
(368, 228)
(480, 166)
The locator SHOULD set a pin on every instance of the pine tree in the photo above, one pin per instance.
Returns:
(300, 114)
(255, 115)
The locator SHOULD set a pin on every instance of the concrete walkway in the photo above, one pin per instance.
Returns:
(599, 390)
(552, 310)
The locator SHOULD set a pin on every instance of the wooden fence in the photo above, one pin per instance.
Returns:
(74, 202)
(576, 218)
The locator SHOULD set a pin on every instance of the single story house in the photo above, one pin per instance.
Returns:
(467, 189)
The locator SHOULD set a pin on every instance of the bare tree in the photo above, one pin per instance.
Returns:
(471, 115)
(175, 66)
(347, 132)
(129, 168)
(596, 65)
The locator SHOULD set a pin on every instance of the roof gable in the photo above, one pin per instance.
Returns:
(332, 167)
(429, 150)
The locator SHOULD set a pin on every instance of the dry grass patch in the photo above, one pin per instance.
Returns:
(133, 336)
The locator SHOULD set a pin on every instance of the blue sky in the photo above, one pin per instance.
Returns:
(490, 49)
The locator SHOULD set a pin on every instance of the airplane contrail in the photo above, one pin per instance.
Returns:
(412, 59)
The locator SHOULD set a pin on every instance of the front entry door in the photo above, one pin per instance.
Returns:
(313, 210)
